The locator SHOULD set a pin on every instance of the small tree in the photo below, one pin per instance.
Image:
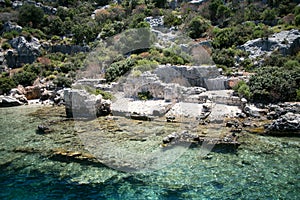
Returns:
(197, 27)
(30, 15)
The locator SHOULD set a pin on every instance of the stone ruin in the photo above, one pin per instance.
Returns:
(81, 104)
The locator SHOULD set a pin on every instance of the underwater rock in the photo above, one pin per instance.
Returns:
(42, 129)
(143, 117)
(186, 136)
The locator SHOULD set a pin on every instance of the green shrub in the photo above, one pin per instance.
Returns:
(5, 46)
(105, 95)
(55, 38)
(6, 84)
(32, 69)
(171, 19)
(91, 90)
(274, 84)
(291, 64)
(243, 90)
(24, 78)
(298, 95)
(30, 15)
(51, 77)
(10, 35)
(297, 20)
(62, 81)
(117, 69)
(224, 57)
(145, 95)
(197, 27)
(269, 14)
(145, 65)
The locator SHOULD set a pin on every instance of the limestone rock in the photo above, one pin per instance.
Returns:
(190, 76)
(9, 26)
(7, 101)
(25, 51)
(33, 92)
(286, 42)
(288, 122)
(80, 104)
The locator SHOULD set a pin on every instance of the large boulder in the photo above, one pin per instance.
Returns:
(26, 51)
(81, 104)
(290, 122)
(33, 92)
(286, 42)
(7, 101)
(9, 26)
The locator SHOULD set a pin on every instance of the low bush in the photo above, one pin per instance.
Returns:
(24, 78)
(6, 84)
(145, 95)
(5, 46)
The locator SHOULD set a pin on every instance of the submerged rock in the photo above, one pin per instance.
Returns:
(42, 129)
(186, 136)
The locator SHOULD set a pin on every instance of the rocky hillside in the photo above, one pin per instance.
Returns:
(253, 46)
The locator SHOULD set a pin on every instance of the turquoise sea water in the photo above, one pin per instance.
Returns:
(262, 168)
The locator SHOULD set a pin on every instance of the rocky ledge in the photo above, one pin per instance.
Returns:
(7, 101)
(230, 140)
(289, 122)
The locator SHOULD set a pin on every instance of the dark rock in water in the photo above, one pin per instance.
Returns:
(236, 130)
(186, 136)
(247, 124)
(142, 117)
(203, 115)
(7, 101)
(232, 124)
(170, 118)
(170, 138)
(42, 129)
(241, 115)
(290, 122)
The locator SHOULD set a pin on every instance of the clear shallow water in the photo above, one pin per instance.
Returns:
(262, 168)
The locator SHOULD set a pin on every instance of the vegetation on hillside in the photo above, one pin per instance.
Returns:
(227, 23)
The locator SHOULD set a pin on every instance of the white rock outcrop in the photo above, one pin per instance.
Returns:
(286, 42)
